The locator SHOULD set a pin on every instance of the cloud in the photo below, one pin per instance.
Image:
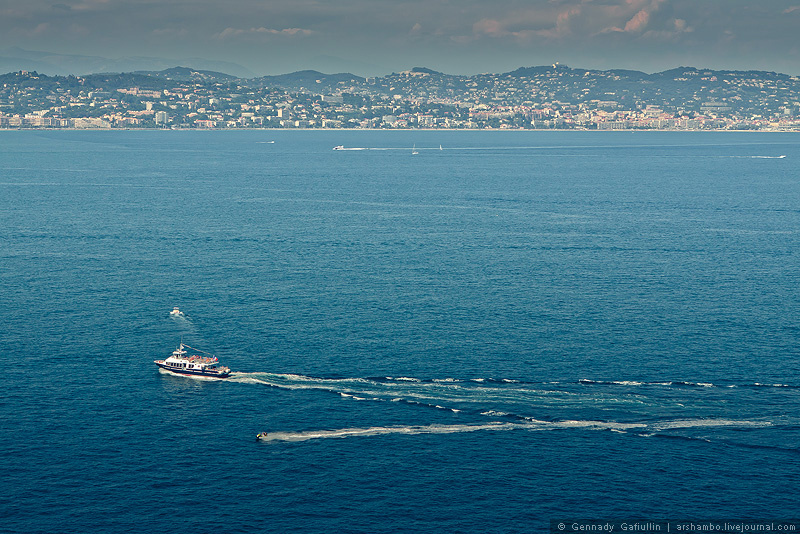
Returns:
(569, 20)
(230, 33)
(170, 32)
(564, 19)
(546, 22)
(91, 5)
(490, 27)
(639, 22)
(41, 28)
(637, 15)
(476, 35)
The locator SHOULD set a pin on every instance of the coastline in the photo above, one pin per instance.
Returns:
(565, 130)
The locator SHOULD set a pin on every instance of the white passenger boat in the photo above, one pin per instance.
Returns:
(176, 312)
(195, 365)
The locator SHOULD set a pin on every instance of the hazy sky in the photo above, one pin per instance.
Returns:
(455, 36)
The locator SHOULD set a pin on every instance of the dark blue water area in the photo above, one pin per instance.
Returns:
(503, 329)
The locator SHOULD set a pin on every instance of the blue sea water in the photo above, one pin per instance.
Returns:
(514, 328)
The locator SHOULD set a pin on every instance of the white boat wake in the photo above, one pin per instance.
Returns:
(384, 430)
(689, 410)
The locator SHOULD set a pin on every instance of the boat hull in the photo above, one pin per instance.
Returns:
(192, 372)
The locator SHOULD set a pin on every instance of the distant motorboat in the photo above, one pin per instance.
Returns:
(342, 147)
(176, 312)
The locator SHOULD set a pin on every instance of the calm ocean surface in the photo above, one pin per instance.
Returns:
(519, 327)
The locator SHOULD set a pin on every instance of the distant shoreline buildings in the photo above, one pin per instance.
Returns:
(551, 97)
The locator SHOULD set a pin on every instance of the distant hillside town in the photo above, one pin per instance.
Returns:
(548, 97)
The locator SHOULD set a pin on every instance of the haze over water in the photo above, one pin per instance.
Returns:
(512, 328)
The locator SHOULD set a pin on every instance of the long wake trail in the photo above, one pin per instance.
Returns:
(562, 150)
(671, 409)
(384, 430)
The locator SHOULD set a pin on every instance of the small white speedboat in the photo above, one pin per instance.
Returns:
(176, 312)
